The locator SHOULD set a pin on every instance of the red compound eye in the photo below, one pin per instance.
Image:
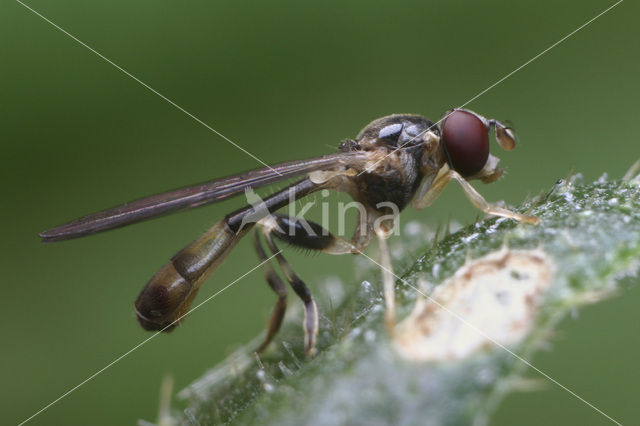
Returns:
(466, 142)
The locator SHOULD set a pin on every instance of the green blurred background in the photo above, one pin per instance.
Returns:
(285, 80)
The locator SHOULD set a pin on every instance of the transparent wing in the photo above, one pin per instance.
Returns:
(194, 196)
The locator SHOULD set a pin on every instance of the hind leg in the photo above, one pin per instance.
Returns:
(276, 284)
(310, 236)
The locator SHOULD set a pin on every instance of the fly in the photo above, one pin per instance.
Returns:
(395, 160)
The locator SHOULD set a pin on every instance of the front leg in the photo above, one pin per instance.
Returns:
(446, 175)
(482, 204)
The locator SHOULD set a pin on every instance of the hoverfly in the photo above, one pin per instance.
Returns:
(402, 159)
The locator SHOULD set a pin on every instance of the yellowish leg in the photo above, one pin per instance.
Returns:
(474, 196)
(434, 191)
(482, 204)
(388, 284)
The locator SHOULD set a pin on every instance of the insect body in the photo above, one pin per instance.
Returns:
(395, 161)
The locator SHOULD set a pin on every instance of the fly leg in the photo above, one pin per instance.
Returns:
(388, 284)
(307, 235)
(310, 322)
(479, 202)
(474, 196)
(276, 284)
